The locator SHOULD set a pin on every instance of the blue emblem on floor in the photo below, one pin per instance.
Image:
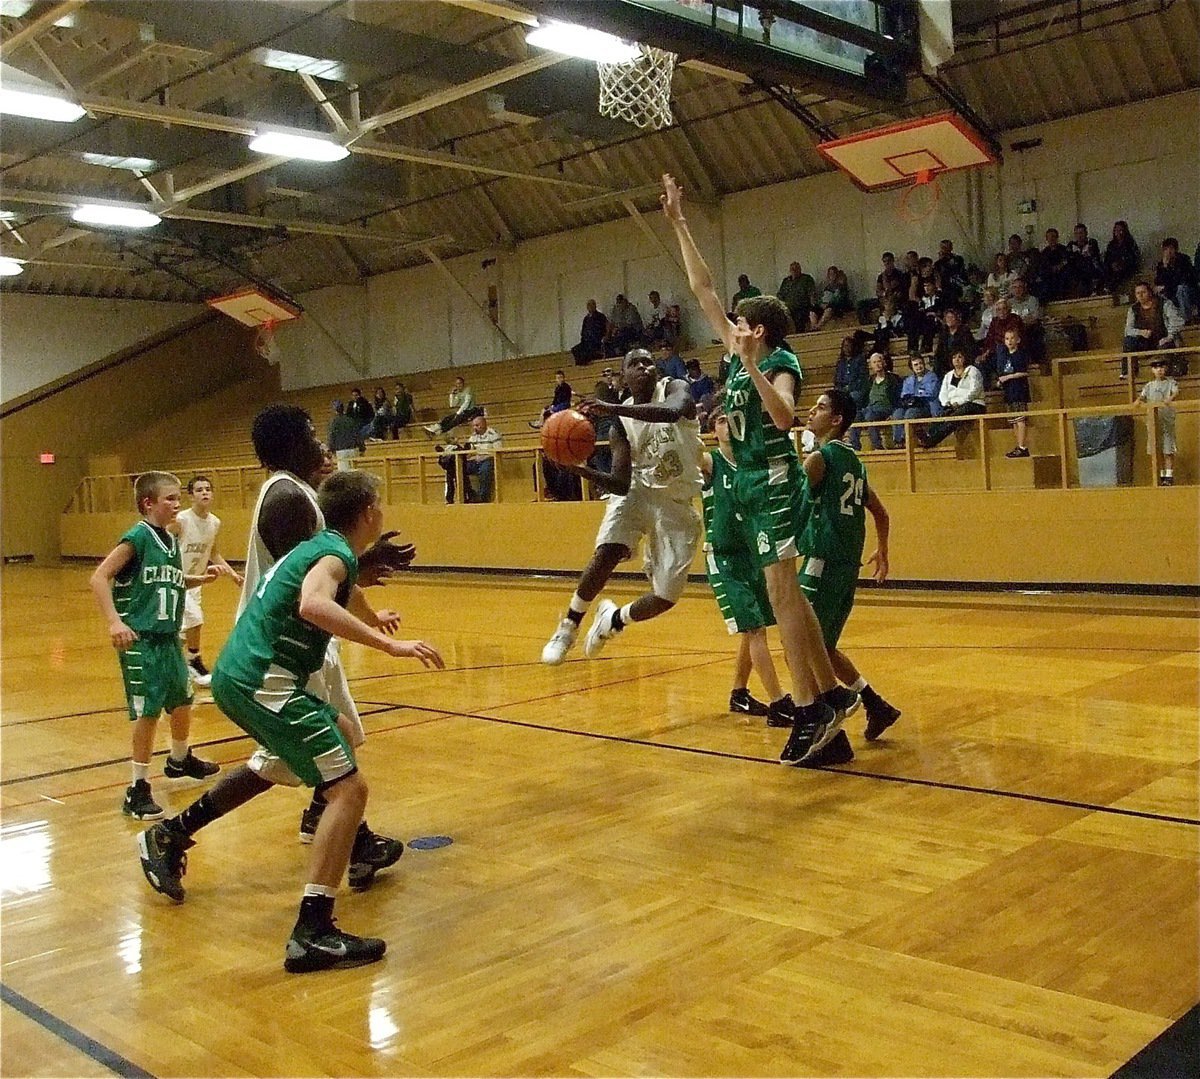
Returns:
(429, 842)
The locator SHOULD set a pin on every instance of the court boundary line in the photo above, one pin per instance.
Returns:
(72, 1035)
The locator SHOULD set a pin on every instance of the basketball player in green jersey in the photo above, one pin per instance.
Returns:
(259, 681)
(738, 585)
(139, 588)
(837, 500)
(760, 401)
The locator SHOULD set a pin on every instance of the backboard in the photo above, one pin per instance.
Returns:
(253, 307)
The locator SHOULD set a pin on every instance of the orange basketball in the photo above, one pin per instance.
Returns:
(568, 437)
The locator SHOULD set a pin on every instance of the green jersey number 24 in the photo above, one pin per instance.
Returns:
(853, 493)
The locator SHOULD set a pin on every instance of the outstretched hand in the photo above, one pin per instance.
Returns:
(426, 653)
(671, 198)
(880, 561)
(383, 559)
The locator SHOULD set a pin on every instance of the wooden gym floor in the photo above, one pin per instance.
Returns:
(1005, 885)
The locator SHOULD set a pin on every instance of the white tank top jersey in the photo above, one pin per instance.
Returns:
(666, 456)
(258, 558)
(197, 536)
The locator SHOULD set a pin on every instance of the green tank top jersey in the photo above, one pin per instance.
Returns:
(835, 525)
(720, 523)
(148, 592)
(270, 634)
(757, 442)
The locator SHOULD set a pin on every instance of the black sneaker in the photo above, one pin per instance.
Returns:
(327, 948)
(843, 701)
(371, 853)
(163, 859)
(782, 712)
(812, 724)
(309, 820)
(838, 751)
(880, 716)
(1017, 451)
(139, 803)
(191, 767)
(740, 701)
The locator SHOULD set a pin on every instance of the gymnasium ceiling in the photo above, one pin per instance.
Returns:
(475, 141)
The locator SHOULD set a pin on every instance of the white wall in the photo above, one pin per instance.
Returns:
(45, 337)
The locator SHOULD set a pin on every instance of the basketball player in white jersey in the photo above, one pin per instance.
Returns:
(197, 529)
(655, 476)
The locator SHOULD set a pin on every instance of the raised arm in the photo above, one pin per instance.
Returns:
(700, 277)
(679, 404)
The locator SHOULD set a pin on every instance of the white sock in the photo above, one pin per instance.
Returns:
(179, 750)
(1169, 473)
(140, 771)
(626, 617)
(860, 685)
(319, 889)
(579, 606)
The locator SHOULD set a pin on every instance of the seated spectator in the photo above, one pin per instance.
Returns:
(402, 409)
(990, 297)
(1012, 376)
(1026, 307)
(798, 291)
(1022, 261)
(745, 291)
(891, 324)
(345, 437)
(951, 269)
(1175, 279)
(559, 401)
(927, 318)
(833, 300)
(951, 336)
(377, 429)
(1122, 259)
(961, 395)
(359, 409)
(1088, 266)
(918, 397)
(1001, 322)
(601, 459)
(592, 335)
(850, 372)
(916, 284)
(625, 328)
(891, 281)
(972, 293)
(673, 327)
(700, 385)
(462, 409)
(448, 458)
(1001, 276)
(1153, 322)
(483, 441)
(670, 364)
(883, 398)
(653, 334)
(1054, 277)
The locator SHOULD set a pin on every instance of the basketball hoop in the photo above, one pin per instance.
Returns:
(264, 341)
(638, 91)
(914, 208)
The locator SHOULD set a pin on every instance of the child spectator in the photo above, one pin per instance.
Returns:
(890, 325)
(1012, 376)
(927, 319)
(1161, 391)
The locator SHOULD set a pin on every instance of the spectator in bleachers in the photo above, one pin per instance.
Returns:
(889, 280)
(745, 291)
(653, 333)
(890, 325)
(560, 400)
(483, 441)
(700, 385)
(918, 397)
(1087, 264)
(850, 371)
(990, 297)
(961, 395)
(1153, 322)
(1001, 322)
(909, 268)
(670, 364)
(834, 298)
(1161, 390)
(972, 294)
(359, 409)
(463, 409)
(345, 437)
(673, 327)
(592, 335)
(1175, 278)
(927, 319)
(798, 291)
(1122, 259)
(1001, 276)
(1022, 261)
(1054, 276)
(402, 409)
(601, 459)
(951, 336)
(377, 429)
(916, 284)
(882, 400)
(951, 269)
(1012, 376)
(625, 327)
(1025, 306)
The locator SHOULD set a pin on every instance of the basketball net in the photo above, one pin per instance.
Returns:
(264, 341)
(916, 207)
(638, 91)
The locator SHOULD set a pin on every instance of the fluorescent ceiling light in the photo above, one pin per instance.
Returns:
(333, 70)
(8, 215)
(15, 9)
(125, 217)
(38, 106)
(582, 41)
(304, 147)
(115, 161)
(11, 267)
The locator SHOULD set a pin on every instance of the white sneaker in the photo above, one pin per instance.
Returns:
(432, 429)
(601, 629)
(560, 644)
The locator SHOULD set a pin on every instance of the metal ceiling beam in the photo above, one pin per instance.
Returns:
(38, 26)
(324, 104)
(230, 176)
(464, 164)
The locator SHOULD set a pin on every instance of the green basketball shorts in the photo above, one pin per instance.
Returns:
(740, 590)
(156, 677)
(830, 588)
